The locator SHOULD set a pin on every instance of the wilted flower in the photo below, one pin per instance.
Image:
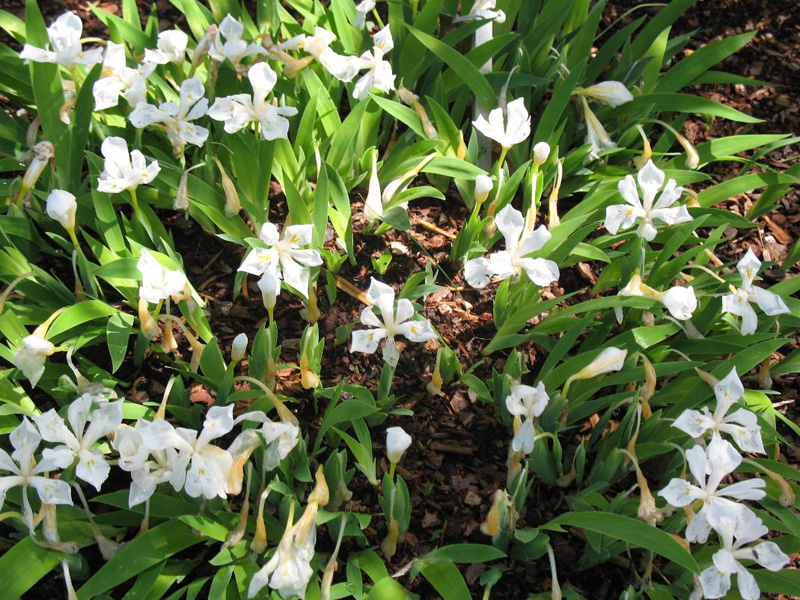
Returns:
(612, 93)
(284, 259)
(234, 48)
(177, 118)
(61, 206)
(32, 355)
(389, 325)
(25, 471)
(528, 403)
(596, 134)
(651, 180)
(79, 443)
(709, 466)
(123, 170)
(379, 74)
(65, 37)
(514, 129)
(159, 283)
(171, 48)
(397, 442)
(240, 110)
(742, 425)
(739, 300)
(118, 79)
(736, 529)
(521, 240)
(42, 153)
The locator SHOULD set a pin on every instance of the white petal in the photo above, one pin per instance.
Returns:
(391, 353)
(651, 180)
(671, 216)
(502, 265)
(366, 340)
(540, 271)
(218, 422)
(680, 492)
(714, 583)
(770, 556)
(749, 320)
(748, 268)
(477, 272)
(749, 489)
(52, 491)
(518, 128)
(748, 588)
(510, 223)
(619, 216)
(53, 429)
(680, 301)
(417, 331)
(263, 79)
(92, 468)
(771, 303)
(693, 423)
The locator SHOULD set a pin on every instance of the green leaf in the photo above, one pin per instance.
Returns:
(700, 61)
(464, 553)
(388, 589)
(118, 331)
(739, 185)
(78, 314)
(629, 530)
(785, 582)
(461, 65)
(447, 580)
(160, 543)
(28, 563)
(683, 103)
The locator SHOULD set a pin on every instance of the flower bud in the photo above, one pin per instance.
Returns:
(609, 360)
(612, 93)
(238, 348)
(181, 201)
(373, 205)
(483, 187)
(61, 206)
(397, 442)
(541, 153)
(269, 287)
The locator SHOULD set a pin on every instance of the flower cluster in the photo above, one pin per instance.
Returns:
(714, 507)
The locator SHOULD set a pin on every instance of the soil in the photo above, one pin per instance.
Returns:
(458, 459)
